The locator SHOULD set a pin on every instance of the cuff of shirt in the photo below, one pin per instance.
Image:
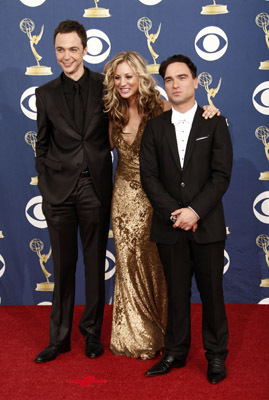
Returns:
(194, 212)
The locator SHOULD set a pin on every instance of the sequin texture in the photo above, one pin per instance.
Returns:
(140, 299)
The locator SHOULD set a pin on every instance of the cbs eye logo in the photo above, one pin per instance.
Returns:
(109, 265)
(34, 214)
(260, 98)
(28, 103)
(211, 43)
(2, 266)
(32, 3)
(227, 263)
(263, 214)
(150, 2)
(99, 46)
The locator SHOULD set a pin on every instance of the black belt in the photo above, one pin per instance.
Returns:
(84, 173)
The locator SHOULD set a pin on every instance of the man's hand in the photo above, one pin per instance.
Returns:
(210, 111)
(186, 219)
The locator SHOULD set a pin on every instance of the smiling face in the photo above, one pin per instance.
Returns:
(126, 81)
(180, 86)
(69, 53)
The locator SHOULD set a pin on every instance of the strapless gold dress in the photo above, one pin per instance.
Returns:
(140, 298)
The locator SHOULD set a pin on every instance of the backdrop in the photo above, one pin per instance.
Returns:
(230, 45)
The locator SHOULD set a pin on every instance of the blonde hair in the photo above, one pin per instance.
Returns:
(149, 101)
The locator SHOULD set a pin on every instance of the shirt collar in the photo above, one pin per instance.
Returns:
(188, 116)
(68, 83)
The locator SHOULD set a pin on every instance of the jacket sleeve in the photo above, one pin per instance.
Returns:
(44, 127)
(221, 167)
(163, 203)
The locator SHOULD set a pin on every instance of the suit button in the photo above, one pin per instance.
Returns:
(182, 184)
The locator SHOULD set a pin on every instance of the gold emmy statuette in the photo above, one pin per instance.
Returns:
(262, 20)
(263, 242)
(262, 133)
(96, 12)
(27, 26)
(144, 24)
(214, 9)
(36, 245)
(1, 235)
(30, 138)
(205, 79)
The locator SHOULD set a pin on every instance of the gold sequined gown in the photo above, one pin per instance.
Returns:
(140, 300)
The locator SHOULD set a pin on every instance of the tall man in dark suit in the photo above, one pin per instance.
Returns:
(74, 167)
(186, 164)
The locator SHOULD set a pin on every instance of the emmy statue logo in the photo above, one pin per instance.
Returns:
(205, 79)
(30, 138)
(263, 242)
(227, 231)
(262, 133)
(214, 9)
(96, 12)
(27, 26)
(36, 245)
(144, 24)
(262, 20)
(1, 235)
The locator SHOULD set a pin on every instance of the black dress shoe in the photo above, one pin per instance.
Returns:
(51, 352)
(93, 347)
(163, 366)
(216, 371)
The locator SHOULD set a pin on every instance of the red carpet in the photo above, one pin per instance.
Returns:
(24, 332)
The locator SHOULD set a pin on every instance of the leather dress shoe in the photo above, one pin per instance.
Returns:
(93, 347)
(51, 352)
(166, 363)
(216, 371)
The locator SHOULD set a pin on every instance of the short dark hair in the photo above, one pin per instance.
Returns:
(71, 26)
(178, 58)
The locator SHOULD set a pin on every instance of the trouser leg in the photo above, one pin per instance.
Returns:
(62, 225)
(208, 269)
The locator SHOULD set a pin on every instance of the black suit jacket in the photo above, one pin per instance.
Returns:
(60, 147)
(200, 184)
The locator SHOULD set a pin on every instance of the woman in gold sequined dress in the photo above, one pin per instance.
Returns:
(140, 301)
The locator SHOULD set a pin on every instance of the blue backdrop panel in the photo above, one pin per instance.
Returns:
(228, 42)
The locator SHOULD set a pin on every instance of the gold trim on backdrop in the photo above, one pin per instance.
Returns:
(214, 9)
(205, 79)
(262, 21)
(262, 133)
(262, 241)
(27, 26)
(36, 245)
(96, 12)
(144, 24)
(30, 138)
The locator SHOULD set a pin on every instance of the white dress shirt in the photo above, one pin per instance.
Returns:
(183, 124)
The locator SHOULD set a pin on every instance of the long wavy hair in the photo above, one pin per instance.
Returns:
(149, 101)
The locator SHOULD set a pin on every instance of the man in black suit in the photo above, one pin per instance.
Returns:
(186, 164)
(74, 167)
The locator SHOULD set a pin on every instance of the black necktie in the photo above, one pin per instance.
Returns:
(78, 108)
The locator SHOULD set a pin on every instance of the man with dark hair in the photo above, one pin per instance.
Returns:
(74, 167)
(186, 164)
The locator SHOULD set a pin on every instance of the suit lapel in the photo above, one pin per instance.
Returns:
(94, 98)
(170, 134)
(61, 102)
(197, 127)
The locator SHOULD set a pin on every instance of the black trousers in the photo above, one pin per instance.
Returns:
(206, 262)
(82, 211)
